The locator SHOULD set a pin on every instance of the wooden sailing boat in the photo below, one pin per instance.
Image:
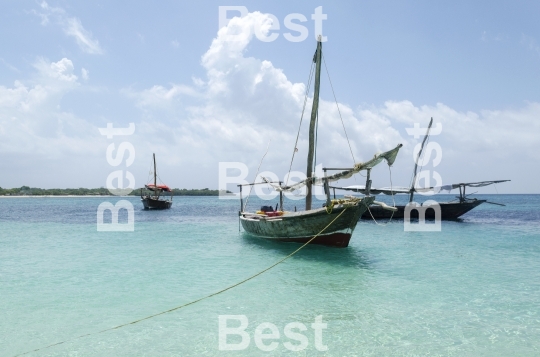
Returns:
(331, 225)
(449, 210)
(154, 199)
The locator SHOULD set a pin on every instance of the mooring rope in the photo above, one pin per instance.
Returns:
(194, 301)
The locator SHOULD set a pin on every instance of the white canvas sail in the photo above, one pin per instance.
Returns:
(389, 156)
(395, 190)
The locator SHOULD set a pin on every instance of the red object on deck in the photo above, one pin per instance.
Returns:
(159, 187)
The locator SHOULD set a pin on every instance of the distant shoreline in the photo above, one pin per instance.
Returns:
(51, 196)
(26, 191)
(98, 196)
(229, 194)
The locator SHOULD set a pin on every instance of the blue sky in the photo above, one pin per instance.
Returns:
(68, 68)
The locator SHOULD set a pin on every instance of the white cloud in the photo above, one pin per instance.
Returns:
(61, 70)
(9, 65)
(31, 121)
(486, 130)
(74, 28)
(245, 103)
(48, 11)
(241, 105)
(530, 43)
(84, 74)
(71, 26)
(159, 97)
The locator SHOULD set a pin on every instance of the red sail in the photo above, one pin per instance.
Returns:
(158, 187)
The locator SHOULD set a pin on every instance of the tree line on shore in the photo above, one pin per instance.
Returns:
(34, 191)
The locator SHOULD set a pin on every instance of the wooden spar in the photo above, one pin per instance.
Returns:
(280, 198)
(314, 111)
(327, 190)
(241, 201)
(418, 158)
(368, 182)
(155, 178)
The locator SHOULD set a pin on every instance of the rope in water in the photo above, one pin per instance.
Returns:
(194, 301)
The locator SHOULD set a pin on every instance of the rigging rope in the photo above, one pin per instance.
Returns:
(251, 187)
(331, 86)
(150, 173)
(194, 301)
(393, 200)
(301, 118)
(150, 177)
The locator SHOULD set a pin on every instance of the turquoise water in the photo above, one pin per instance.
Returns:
(472, 289)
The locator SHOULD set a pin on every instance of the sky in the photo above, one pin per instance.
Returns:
(203, 90)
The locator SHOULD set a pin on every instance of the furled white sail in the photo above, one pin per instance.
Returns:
(457, 185)
(434, 189)
(375, 191)
(389, 156)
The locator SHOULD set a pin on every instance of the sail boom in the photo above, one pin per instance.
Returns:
(396, 190)
(375, 191)
(458, 185)
(389, 156)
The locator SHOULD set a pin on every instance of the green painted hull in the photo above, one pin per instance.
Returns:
(302, 226)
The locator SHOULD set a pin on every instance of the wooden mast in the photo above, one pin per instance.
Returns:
(418, 158)
(314, 110)
(155, 176)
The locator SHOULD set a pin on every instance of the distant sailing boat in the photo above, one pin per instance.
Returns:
(449, 210)
(153, 199)
(333, 224)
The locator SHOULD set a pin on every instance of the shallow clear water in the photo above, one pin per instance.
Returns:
(472, 289)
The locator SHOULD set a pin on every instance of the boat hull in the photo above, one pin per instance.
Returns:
(339, 240)
(300, 227)
(449, 211)
(152, 203)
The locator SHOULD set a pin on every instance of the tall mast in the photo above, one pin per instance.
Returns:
(314, 110)
(155, 178)
(418, 158)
